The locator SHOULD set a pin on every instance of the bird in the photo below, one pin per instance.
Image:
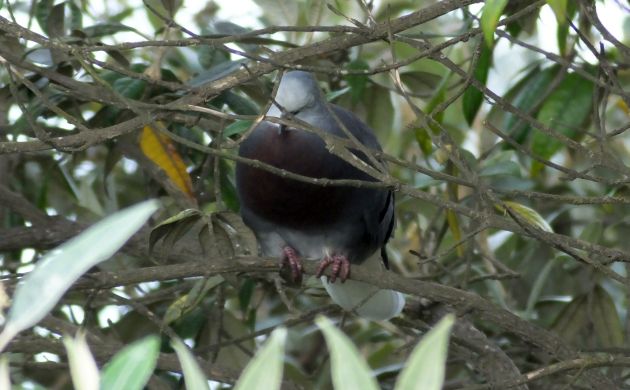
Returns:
(296, 220)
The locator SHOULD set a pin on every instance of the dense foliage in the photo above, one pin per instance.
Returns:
(505, 127)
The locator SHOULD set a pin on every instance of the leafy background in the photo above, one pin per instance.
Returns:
(504, 125)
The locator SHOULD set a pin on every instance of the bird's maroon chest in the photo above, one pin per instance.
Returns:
(277, 197)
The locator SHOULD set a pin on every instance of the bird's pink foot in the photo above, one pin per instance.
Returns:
(340, 267)
(291, 260)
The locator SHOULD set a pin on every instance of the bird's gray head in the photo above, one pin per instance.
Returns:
(297, 94)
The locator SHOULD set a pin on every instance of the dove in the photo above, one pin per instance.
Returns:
(295, 220)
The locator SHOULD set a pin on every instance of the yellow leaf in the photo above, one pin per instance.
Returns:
(161, 150)
(622, 105)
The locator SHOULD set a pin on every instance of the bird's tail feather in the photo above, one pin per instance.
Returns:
(366, 300)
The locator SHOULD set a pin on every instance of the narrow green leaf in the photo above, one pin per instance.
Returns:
(528, 214)
(279, 12)
(130, 87)
(573, 319)
(42, 288)
(559, 8)
(194, 378)
(333, 95)
(527, 95)
(357, 82)
(171, 6)
(105, 29)
(380, 110)
(57, 21)
(537, 287)
(76, 16)
(501, 163)
(426, 365)
(228, 188)
(472, 99)
(562, 32)
(349, 369)
(245, 293)
(42, 11)
(5, 377)
(492, 11)
(422, 133)
(83, 368)
(182, 215)
(165, 227)
(239, 104)
(606, 321)
(237, 128)
(187, 302)
(218, 71)
(420, 82)
(264, 371)
(563, 118)
(223, 27)
(131, 368)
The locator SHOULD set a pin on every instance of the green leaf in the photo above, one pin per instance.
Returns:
(42, 288)
(279, 12)
(501, 163)
(492, 10)
(171, 6)
(223, 27)
(5, 378)
(186, 303)
(559, 8)
(210, 57)
(158, 7)
(562, 32)
(425, 368)
(129, 87)
(76, 16)
(606, 321)
(380, 110)
(420, 82)
(42, 11)
(239, 104)
(245, 294)
(573, 319)
(56, 21)
(131, 368)
(565, 111)
(169, 225)
(349, 369)
(228, 188)
(331, 96)
(357, 82)
(528, 93)
(473, 97)
(528, 214)
(423, 138)
(216, 72)
(105, 29)
(83, 368)
(194, 378)
(538, 285)
(264, 371)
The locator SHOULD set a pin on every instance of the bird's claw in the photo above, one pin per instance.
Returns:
(291, 260)
(340, 267)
